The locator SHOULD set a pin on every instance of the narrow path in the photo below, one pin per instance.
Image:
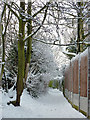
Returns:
(51, 105)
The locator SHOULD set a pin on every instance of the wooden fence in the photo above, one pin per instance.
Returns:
(77, 82)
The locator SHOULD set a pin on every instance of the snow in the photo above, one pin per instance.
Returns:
(68, 53)
(0, 104)
(85, 53)
(2, 63)
(59, 58)
(51, 105)
(76, 57)
(49, 60)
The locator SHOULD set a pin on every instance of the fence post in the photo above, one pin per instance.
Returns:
(88, 83)
(88, 115)
(72, 82)
(79, 80)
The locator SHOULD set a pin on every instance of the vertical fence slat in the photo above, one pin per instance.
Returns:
(83, 82)
(79, 79)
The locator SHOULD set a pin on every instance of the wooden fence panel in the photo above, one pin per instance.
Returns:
(75, 76)
(83, 76)
(77, 82)
(83, 82)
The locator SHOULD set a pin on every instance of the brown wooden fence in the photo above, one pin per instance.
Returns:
(77, 82)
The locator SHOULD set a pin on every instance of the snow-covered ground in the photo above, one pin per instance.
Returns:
(0, 105)
(51, 105)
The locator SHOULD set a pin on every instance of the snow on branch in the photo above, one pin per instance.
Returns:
(12, 11)
(2, 63)
(69, 53)
(54, 42)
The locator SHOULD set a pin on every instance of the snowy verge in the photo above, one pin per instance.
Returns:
(51, 105)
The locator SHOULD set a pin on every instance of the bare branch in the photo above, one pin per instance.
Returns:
(13, 11)
(53, 43)
(7, 23)
(38, 27)
(39, 11)
(3, 12)
(50, 43)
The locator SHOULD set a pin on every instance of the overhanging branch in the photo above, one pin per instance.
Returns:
(38, 27)
(12, 11)
(53, 43)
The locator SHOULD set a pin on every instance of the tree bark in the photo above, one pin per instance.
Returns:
(21, 57)
(3, 56)
(21, 66)
(3, 34)
(29, 42)
(80, 28)
(21, 60)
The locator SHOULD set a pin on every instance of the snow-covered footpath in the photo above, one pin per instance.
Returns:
(51, 105)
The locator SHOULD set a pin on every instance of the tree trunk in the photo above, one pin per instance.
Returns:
(21, 66)
(80, 28)
(3, 45)
(29, 43)
(3, 57)
(78, 33)
(21, 60)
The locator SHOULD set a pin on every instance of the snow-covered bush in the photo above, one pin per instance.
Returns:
(10, 71)
(36, 85)
(45, 65)
(7, 81)
(12, 60)
(43, 68)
